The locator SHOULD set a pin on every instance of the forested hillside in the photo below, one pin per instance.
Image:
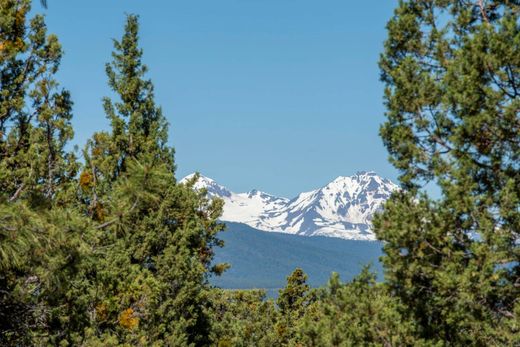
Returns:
(262, 259)
(103, 247)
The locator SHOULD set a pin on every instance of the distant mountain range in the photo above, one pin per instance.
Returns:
(343, 208)
(264, 260)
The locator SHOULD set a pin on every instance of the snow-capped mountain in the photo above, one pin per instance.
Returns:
(343, 208)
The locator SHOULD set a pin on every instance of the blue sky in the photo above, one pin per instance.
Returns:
(278, 95)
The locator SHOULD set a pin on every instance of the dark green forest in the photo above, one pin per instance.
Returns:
(101, 246)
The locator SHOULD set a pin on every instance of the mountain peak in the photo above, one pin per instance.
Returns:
(203, 182)
(343, 208)
(202, 178)
(357, 176)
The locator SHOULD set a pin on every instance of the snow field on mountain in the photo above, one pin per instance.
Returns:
(343, 208)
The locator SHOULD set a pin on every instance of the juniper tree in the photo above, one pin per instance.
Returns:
(138, 127)
(452, 76)
(156, 235)
(293, 301)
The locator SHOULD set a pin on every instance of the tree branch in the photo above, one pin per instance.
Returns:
(17, 193)
(110, 222)
(483, 10)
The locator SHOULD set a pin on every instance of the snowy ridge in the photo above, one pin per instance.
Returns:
(343, 208)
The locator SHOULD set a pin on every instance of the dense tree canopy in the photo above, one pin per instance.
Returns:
(111, 250)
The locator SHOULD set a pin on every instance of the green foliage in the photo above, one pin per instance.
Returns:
(451, 71)
(360, 313)
(138, 126)
(156, 235)
(243, 318)
(116, 252)
(40, 243)
(295, 296)
(41, 253)
(119, 255)
(34, 113)
(293, 301)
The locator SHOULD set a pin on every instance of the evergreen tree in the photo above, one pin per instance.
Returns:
(243, 318)
(359, 313)
(452, 74)
(34, 114)
(40, 235)
(293, 301)
(138, 127)
(157, 235)
(121, 254)
(295, 296)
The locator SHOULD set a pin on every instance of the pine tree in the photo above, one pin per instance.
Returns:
(452, 75)
(40, 233)
(34, 114)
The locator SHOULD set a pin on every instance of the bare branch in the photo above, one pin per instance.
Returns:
(482, 7)
(17, 193)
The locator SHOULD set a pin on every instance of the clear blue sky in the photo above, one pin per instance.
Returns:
(278, 95)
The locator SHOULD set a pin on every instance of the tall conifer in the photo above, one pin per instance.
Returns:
(157, 235)
(452, 75)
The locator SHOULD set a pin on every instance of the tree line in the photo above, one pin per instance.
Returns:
(111, 250)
